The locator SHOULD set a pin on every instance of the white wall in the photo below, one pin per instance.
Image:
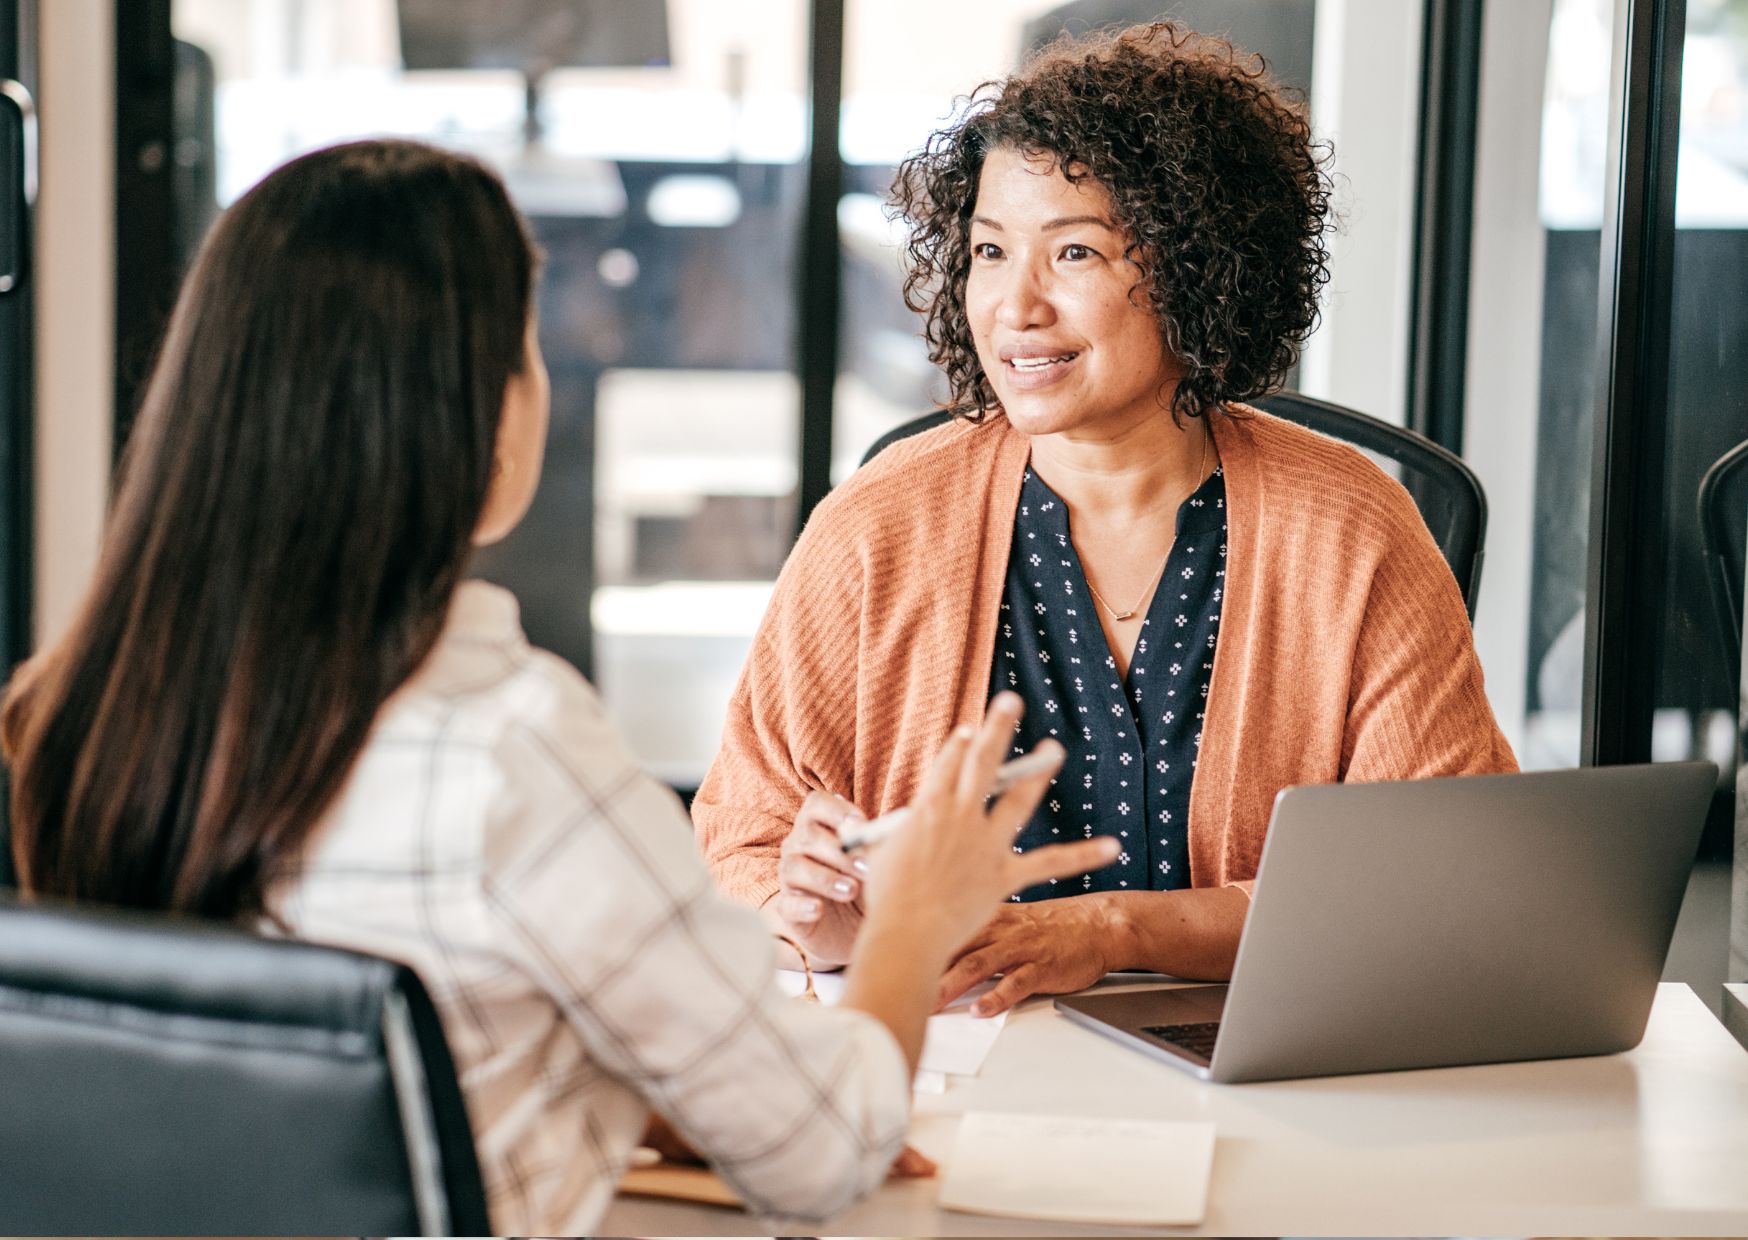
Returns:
(1365, 98)
(1502, 385)
(75, 292)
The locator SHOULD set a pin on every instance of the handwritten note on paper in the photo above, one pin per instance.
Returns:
(1121, 1172)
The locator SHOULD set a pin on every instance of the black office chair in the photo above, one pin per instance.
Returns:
(159, 1076)
(1448, 493)
(1723, 533)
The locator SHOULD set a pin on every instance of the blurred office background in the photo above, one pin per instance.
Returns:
(722, 320)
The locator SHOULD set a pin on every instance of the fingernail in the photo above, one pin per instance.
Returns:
(980, 1008)
(963, 732)
(842, 886)
(811, 908)
(859, 865)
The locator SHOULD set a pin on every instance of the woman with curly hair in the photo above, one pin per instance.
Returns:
(1113, 250)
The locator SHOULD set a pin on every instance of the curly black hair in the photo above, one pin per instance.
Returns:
(1214, 178)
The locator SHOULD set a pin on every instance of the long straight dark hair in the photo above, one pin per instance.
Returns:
(296, 508)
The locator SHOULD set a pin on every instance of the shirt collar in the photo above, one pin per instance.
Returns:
(1204, 510)
(483, 611)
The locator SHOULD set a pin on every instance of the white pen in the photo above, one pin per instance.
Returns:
(871, 831)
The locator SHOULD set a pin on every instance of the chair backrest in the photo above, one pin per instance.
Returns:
(1447, 492)
(1723, 533)
(162, 1076)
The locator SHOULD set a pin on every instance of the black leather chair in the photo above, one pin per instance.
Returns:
(159, 1076)
(1446, 490)
(1723, 533)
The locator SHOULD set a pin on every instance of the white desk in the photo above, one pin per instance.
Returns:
(1653, 1142)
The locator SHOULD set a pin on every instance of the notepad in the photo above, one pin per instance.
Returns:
(678, 1182)
(1121, 1172)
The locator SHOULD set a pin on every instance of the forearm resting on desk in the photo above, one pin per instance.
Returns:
(1189, 933)
(1055, 946)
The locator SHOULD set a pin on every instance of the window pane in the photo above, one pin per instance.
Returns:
(660, 167)
(897, 90)
(1708, 388)
(1532, 357)
(1698, 692)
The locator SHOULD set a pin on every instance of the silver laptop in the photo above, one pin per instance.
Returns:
(1439, 922)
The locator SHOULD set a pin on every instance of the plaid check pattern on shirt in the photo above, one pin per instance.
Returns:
(497, 836)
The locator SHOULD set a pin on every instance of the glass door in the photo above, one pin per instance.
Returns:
(1697, 672)
(658, 149)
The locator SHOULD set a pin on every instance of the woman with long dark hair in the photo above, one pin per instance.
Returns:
(281, 705)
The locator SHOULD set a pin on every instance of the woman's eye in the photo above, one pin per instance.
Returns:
(986, 250)
(1076, 253)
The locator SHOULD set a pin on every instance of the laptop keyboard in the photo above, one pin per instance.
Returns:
(1198, 1039)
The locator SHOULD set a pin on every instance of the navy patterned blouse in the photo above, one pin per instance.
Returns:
(1131, 741)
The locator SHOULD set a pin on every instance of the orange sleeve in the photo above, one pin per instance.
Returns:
(791, 722)
(1417, 706)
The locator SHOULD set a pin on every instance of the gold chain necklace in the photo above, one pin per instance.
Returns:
(1120, 615)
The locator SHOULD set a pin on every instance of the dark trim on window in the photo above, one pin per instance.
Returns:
(1444, 215)
(17, 338)
(820, 256)
(1628, 524)
(147, 269)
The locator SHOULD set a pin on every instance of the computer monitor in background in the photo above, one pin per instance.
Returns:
(519, 34)
(533, 37)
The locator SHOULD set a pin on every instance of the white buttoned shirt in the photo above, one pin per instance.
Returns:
(497, 836)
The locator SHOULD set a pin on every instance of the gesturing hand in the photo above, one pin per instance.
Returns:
(1046, 948)
(953, 861)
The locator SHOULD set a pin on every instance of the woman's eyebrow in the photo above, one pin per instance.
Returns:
(1066, 221)
(1069, 221)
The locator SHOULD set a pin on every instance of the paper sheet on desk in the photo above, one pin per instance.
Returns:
(955, 1043)
(1124, 1172)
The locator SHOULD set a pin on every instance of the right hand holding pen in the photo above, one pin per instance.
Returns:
(819, 899)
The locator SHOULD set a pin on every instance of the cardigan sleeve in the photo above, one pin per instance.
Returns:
(791, 722)
(1417, 707)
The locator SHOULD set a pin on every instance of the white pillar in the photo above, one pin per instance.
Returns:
(1503, 381)
(1365, 98)
(75, 302)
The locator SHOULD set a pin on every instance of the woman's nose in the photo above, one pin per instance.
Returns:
(1025, 300)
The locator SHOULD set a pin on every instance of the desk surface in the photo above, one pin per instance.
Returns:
(1652, 1142)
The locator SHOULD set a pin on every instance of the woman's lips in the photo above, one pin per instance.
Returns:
(1028, 374)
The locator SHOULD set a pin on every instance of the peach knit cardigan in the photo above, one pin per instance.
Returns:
(1344, 653)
